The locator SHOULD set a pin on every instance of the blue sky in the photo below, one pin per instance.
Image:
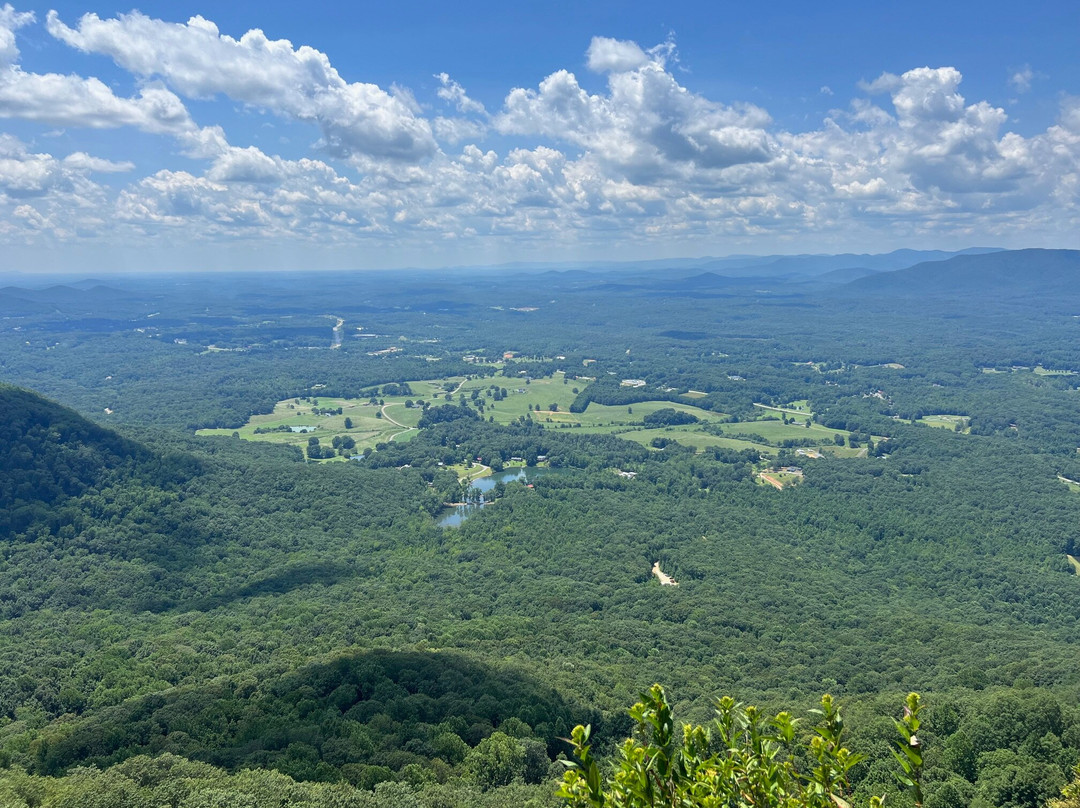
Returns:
(289, 136)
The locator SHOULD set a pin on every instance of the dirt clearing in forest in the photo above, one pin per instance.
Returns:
(664, 579)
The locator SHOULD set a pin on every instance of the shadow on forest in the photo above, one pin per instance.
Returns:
(278, 582)
(360, 716)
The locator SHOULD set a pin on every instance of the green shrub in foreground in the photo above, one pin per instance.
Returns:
(744, 759)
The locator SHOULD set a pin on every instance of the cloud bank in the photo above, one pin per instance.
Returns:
(644, 160)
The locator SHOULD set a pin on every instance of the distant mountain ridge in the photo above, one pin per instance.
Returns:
(20, 301)
(1012, 273)
(804, 265)
(796, 274)
(27, 297)
(813, 265)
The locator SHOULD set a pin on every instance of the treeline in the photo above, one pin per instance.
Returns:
(171, 780)
(1012, 749)
(143, 380)
(364, 718)
(455, 434)
(613, 393)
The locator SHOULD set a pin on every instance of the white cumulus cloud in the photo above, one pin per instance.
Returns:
(615, 56)
(197, 60)
(10, 21)
(647, 126)
(453, 93)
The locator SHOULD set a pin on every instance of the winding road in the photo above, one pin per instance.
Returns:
(395, 423)
(384, 406)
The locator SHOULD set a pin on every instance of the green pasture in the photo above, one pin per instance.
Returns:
(800, 406)
(778, 431)
(429, 389)
(695, 437)
(473, 472)
(368, 429)
(542, 393)
(842, 451)
(397, 411)
(531, 397)
(397, 423)
(536, 392)
(1041, 371)
(1072, 485)
(597, 415)
(795, 408)
(946, 421)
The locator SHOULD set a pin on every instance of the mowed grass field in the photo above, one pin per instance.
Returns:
(794, 408)
(545, 400)
(1041, 371)
(368, 429)
(536, 392)
(778, 431)
(540, 394)
(945, 421)
(693, 436)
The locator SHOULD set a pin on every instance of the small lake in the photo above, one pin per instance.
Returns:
(458, 514)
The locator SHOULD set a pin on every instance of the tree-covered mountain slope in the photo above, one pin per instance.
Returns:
(48, 454)
(1025, 273)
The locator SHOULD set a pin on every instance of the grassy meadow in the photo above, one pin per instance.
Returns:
(546, 400)
(946, 421)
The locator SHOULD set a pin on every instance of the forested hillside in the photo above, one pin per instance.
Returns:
(226, 614)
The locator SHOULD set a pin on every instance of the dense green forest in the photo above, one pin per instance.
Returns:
(183, 616)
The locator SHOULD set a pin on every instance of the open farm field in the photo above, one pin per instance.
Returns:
(694, 436)
(778, 431)
(535, 397)
(367, 428)
(946, 421)
(778, 479)
(791, 408)
(1041, 371)
(397, 411)
(522, 393)
(597, 415)
(545, 400)
(843, 451)
(295, 421)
